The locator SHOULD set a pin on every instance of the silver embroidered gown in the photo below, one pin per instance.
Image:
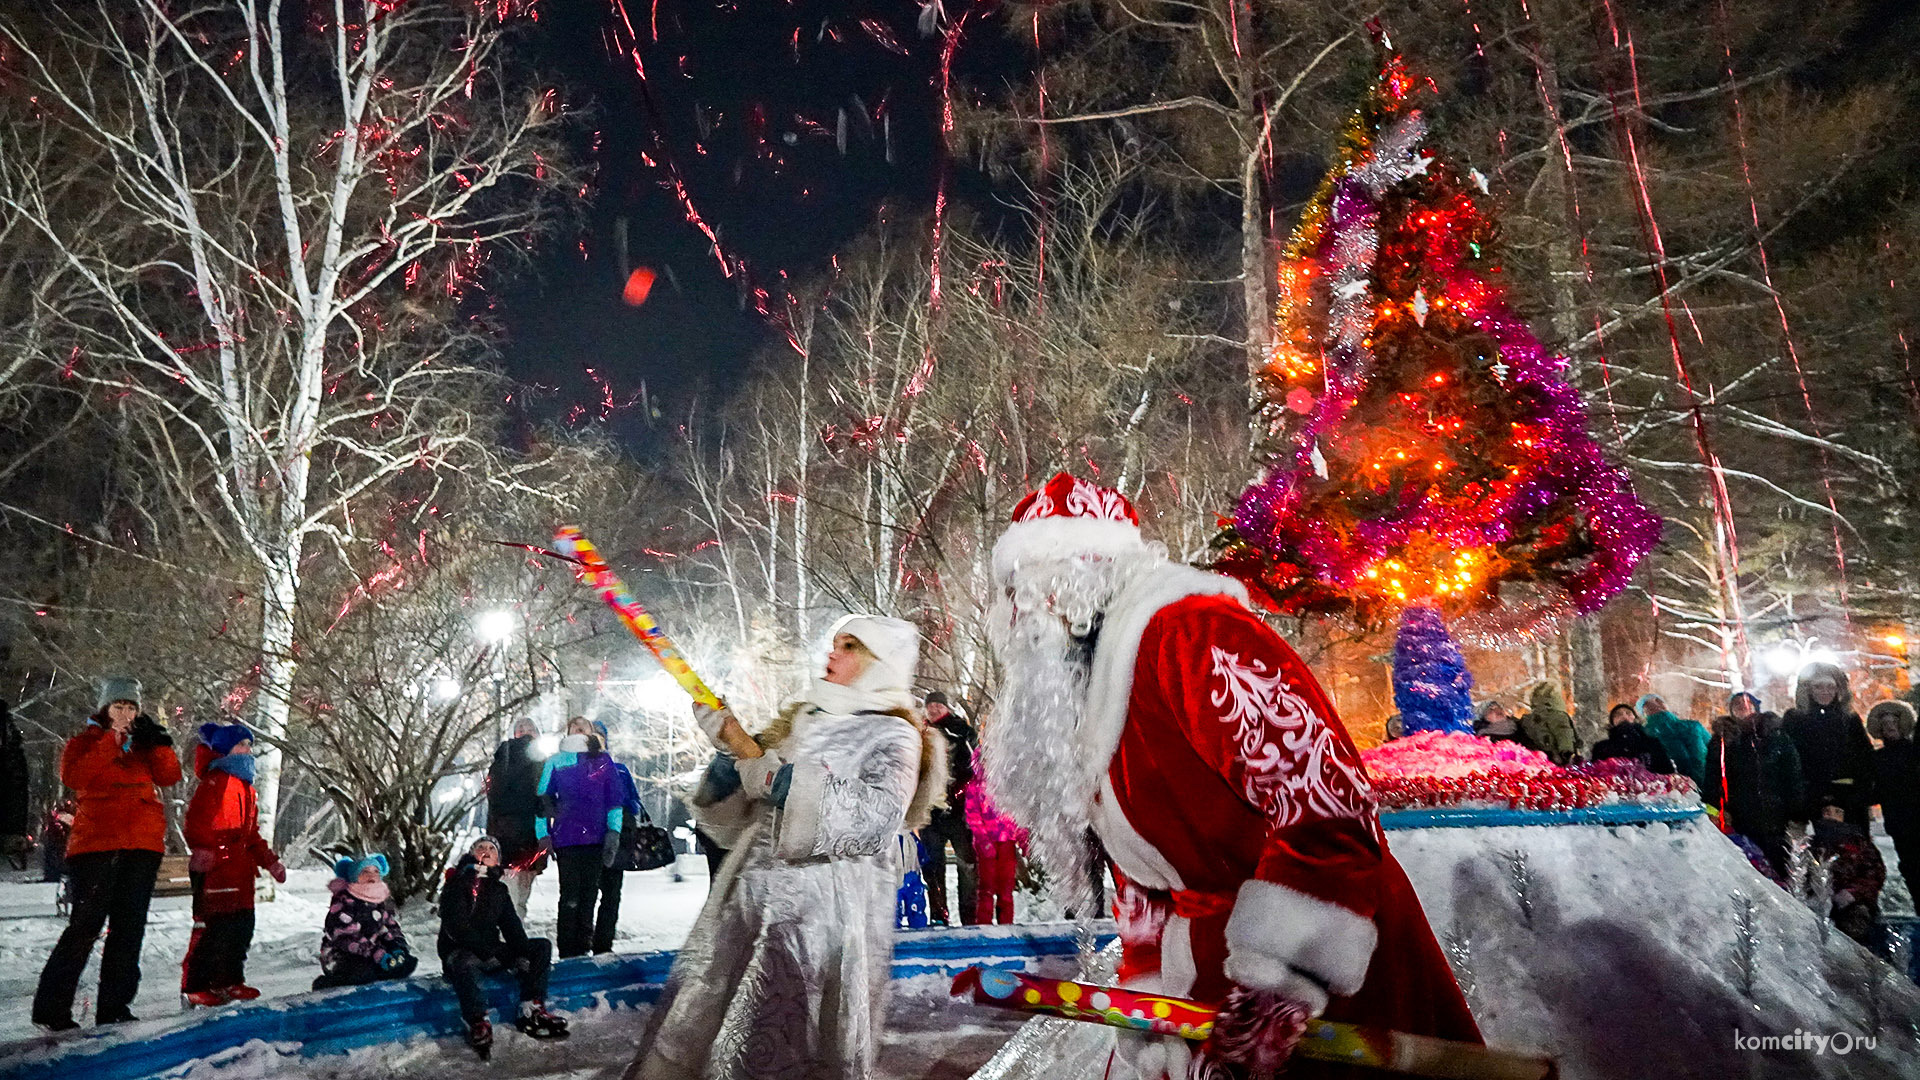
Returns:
(784, 976)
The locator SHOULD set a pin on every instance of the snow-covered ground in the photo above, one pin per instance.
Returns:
(655, 913)
(927, 1039)
(1629, 967)
(1629, 964)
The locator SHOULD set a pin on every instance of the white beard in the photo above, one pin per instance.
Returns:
(1037, 770)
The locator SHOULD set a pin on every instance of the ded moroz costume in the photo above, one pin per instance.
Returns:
(1143, 699)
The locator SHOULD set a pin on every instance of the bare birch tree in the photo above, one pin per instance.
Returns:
(310, 194)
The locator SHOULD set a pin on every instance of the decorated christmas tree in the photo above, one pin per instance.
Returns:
(1425, 449)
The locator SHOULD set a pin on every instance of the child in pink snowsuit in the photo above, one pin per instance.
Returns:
(997, 841)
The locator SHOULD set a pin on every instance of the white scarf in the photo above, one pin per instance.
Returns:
(847, 701)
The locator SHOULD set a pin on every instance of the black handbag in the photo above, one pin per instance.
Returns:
(644, 845)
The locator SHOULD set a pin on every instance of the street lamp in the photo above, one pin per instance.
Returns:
(496, 626)
(493, 627)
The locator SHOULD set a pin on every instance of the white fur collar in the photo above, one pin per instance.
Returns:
(1110, 682)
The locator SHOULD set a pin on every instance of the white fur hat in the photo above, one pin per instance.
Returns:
(895, 644)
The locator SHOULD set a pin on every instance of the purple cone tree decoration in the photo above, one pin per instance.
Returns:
(1431, 686)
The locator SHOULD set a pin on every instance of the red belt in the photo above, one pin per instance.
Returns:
(1193, 904)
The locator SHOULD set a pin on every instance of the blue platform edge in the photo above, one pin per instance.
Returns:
(337, 1021)
(1605, 814)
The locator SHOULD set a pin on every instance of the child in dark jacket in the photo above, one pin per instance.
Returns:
(1858, 872)
(362, 942)
(479, 932)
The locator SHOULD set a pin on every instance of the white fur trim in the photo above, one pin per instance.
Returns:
(1110, 683)
(1140, 861)
(1178, 971)
(1061, 537)
(1276, 933)
(1156, 1057)
(1299, 988)
(797, 829)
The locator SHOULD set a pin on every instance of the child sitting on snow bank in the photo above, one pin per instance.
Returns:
(362, 942)
(479, 932)
(1857, 871)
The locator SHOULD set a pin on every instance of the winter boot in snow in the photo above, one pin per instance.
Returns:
(54, 1025)
(242, 992)
(536, 1022)
(204, 999)
(480, 1037)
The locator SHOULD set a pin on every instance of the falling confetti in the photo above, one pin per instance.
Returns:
(639, 286)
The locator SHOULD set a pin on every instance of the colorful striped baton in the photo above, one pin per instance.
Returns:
(595, 572)
(1157, 1014)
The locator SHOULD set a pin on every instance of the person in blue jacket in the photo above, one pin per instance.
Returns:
(584, 802)
(1685, 741)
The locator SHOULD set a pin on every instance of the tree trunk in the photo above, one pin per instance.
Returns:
(1589, 689)
(803, 444)
(1586, 652)
(1258, 309)
(280, 590)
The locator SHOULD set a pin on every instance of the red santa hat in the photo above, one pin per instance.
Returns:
(1068, 517)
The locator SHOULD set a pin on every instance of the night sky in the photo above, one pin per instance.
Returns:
(752, 130)
(766, 173)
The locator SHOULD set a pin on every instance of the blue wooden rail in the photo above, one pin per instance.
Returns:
(1605, 814)
(336, 1021)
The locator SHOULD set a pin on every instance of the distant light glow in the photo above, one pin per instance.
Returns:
(495, 627)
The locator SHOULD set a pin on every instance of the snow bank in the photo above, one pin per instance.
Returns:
(1618, 950)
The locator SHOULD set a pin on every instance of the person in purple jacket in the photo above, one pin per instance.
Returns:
(584, 808)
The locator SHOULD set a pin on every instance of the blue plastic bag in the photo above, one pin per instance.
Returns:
(910, 910)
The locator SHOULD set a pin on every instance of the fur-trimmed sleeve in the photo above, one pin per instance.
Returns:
(852, 782)
(1256, 715)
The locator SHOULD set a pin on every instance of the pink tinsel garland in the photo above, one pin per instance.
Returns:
(1447, 769)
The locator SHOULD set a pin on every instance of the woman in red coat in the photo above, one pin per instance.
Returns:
(115, 766)
(223, 829)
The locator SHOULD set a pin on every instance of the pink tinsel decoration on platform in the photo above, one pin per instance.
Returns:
(1436, 770)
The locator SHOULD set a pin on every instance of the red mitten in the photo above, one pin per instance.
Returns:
(1253, 1035)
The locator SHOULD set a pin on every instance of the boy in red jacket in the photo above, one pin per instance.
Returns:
(223, 829)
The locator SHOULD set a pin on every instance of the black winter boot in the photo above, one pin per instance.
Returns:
(480, 1037)
(537, 1023)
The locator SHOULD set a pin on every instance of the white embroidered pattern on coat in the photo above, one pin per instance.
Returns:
(1294, 765)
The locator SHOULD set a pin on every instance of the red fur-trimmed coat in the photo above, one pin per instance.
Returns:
(1241, 824)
